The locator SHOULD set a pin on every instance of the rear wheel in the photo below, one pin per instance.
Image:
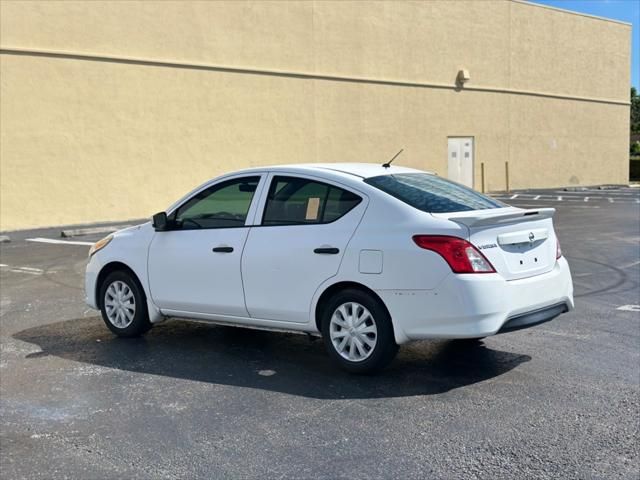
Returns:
(357, 332)
(123, 305)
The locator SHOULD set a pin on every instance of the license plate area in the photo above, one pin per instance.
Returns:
(526, 257)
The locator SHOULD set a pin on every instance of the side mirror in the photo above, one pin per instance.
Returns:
(160, 222)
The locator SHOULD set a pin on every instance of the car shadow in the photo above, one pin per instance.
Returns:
(281, 362)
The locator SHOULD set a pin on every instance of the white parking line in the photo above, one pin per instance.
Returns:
(515, 196)
(559, 198)
(629, 308)
(63, 242)
(27, 270)
(536, 197)
(31, 269)
(586, 199)
(629, 265)
(19, 270)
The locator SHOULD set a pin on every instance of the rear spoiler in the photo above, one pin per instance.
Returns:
(500, 216)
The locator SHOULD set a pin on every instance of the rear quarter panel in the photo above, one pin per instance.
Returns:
(406, 271)
(388, 227)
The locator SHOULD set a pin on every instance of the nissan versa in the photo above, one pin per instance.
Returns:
(368, 256)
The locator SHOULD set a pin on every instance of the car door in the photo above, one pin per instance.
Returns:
(195, 267)
(305, 226)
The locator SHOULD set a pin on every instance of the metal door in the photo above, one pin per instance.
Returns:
(460, 160)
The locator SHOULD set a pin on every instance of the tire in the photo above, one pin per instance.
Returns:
(122, 290)
(357, 332)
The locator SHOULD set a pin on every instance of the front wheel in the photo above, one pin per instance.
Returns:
(357, 332)
(123, 305)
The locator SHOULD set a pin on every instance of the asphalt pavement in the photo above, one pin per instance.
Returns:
(190, 400)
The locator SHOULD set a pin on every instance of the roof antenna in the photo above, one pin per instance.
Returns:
(388, 164)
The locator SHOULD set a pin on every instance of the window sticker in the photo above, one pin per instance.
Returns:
(313, 205)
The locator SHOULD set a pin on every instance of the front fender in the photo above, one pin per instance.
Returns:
(130, 248)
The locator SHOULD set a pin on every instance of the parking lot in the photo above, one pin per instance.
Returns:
(189, 400)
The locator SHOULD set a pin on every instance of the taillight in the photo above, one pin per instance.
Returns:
(558, 249)
(461, 256)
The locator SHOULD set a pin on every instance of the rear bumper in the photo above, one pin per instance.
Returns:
(468, 306)
(531, 319)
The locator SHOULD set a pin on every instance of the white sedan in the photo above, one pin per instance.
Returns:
(368, 256)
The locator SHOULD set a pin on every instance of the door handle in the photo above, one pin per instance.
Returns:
(223, 249)
(327, 250)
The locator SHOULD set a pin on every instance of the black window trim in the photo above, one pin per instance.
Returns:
(275, 175)
(218, 183)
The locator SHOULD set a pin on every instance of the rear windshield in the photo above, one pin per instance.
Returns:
(432, 194)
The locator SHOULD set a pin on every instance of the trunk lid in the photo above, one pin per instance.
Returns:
(519, 243)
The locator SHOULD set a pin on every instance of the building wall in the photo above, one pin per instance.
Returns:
(111, 110)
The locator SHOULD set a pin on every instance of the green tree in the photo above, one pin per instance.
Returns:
(635, 111)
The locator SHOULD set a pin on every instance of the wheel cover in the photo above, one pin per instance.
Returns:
(353, 332)
(119, 304)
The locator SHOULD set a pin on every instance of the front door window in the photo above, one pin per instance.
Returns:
(222, 205)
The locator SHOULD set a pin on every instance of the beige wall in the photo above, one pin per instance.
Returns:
(85, 140)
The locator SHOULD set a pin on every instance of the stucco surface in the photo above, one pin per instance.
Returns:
(85, 139)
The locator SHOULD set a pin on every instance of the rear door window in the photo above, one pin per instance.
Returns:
(300, 201)
(432, 194)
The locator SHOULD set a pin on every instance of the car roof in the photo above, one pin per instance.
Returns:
(347, 173)
(362, 170)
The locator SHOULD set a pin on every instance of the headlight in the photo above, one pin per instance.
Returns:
(99, 245)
